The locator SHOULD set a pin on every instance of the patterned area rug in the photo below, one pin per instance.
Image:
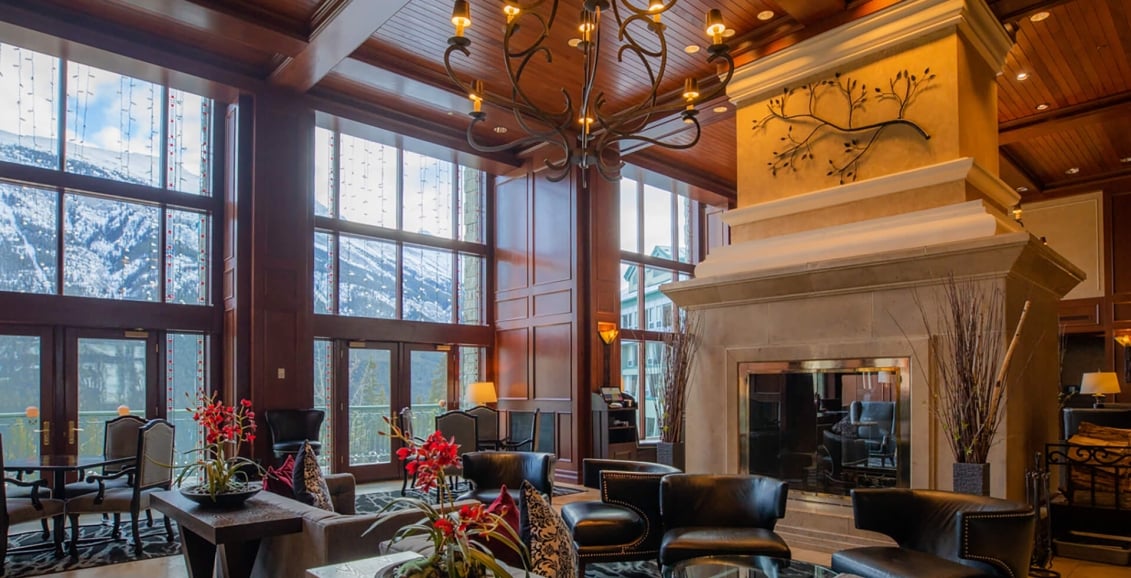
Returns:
(100, 553)
(374, 501)
(650, 570)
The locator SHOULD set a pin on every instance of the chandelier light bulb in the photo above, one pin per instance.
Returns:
(511, 11)
(715, 26)
(461, 16)
(690, 89)
(476, 95)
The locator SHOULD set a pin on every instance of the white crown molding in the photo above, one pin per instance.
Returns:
(957, 222)
(945, 172)
(904, 23)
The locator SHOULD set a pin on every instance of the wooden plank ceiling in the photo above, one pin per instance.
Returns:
(383, 58)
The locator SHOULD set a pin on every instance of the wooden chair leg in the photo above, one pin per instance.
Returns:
(46, 532)
(74, 535)
(168, 528)
(135, 513)
(60, 521)
(116, 533)
(149, 517)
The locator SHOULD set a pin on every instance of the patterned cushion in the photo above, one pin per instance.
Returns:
(545, 533)
(310, 486)
(505, 507)
(280, 480)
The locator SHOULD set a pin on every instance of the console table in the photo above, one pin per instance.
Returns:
(231, 534)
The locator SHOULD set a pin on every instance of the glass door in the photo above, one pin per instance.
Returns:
(26, 401)
(376, 380)
(109, 373)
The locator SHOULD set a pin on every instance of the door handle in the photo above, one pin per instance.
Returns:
(46, 431)
(72, 429)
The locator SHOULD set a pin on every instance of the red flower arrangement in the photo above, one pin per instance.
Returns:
(456, 535)
(219, 467)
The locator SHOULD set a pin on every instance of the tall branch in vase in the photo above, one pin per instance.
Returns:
(967, 354)
(674, 385)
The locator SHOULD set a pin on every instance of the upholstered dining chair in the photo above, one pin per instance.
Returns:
(119, 441)
(725, 517)
(522, 431)
(488, 472)
(26, 509)
(464, 428)
(151, 470)
(939, 534)
(290, 428)
(625, 523)
(488, 421)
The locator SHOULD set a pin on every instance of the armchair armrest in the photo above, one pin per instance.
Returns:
(34, 485)
(101, 479)
(639, 492)
(343, 489)
(1002, 538)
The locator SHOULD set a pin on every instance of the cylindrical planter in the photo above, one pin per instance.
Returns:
(670, 454)
(972, 479)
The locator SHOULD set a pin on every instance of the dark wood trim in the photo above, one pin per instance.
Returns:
(1012, 170)
(1114, 181)
(251, 30)
(53, 179)
(1105, 110)
(406, 237)
(719, 185)
(1007, 10)
(368, 328)
(340, 31)
(811, 11)
(31, 309)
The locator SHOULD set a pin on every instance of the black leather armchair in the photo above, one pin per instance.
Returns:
(490, 471)
(725, 517)
(625, 524)
(939, 534)
(290, 428)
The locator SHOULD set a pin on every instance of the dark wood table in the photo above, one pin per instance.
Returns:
(231, 534)
(59, 466)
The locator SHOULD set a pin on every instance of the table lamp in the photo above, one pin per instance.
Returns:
(1099, 384)
(481, 393)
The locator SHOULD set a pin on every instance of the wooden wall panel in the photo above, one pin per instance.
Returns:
(565, 437)
(553, 231)
(556, 303)
(510, 309)
(553, 360)
(511, 247)
(513, 349)
(1120, 243)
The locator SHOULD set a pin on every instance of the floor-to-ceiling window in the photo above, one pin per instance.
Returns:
(399, 240)
(659, 233)
(106, 249)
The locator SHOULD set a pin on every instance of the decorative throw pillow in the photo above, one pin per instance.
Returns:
(845, 428)
(310, 486)
(505, 507)
(546, 535)
(280, 480)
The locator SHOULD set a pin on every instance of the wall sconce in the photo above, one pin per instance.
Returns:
(1124, 339)
(1098, 385)
(608, 332)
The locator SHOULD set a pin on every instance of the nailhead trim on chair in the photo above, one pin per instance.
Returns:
(647, 526)
(966, 539)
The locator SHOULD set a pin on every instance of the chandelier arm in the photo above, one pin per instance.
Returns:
(627, 4)
(655, 76)
(519, 142)
(609, 171)
(658, 142)
(555, 125)
(534, 44)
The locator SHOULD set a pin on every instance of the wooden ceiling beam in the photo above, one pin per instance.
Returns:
(811, 11)
(1016, 174)
(208, 18)
(1118, 181)
(1010, 10)
(340, 32)
(1104, 110)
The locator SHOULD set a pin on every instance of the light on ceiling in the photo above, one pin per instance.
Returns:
(719, 109)
(1022, 189)
(1072, 171)
(1039, 16)
(1125, 159)
(1042, 106)
(500, 129)
(691, 48)
(1022, 75)
(583, 130)
(765, 15)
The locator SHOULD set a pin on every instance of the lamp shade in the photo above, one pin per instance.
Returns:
(481, 393)
(1099, 383)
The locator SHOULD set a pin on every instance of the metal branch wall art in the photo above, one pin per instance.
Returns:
(814, 126)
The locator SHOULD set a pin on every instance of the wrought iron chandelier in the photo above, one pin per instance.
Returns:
(588, 134)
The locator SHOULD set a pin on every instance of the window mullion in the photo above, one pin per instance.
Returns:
(163, 162)
(61, 128)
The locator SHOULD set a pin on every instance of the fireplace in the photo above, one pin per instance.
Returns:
(826, 426)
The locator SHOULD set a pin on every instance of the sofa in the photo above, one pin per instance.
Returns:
(327, 537)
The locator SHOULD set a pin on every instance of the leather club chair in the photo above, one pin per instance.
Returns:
(725, 517)
(939, 534)
(490, 471)
(290, 428)
(625, 524)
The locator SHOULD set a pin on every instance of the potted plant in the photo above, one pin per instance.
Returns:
(219, 475)
(968, 395)
(673, 387)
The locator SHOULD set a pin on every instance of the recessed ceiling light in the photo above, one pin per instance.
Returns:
(1022, 189)
(573, 42)
(1039, 16)
(1042, 106)
(1125, 159)
(765, 15)
(724, 109)
(1022, 75)
(691, 48)
(728, 32)
(501, 129)
(1072, 171)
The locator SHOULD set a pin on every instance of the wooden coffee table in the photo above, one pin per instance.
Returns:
(233, 534)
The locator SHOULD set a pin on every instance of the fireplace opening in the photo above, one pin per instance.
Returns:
(826, 426)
